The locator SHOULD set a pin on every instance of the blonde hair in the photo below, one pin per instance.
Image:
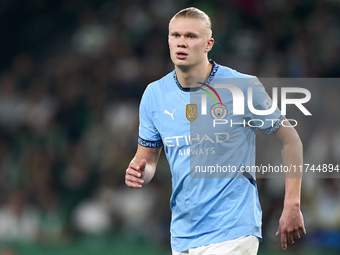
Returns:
(194, 13)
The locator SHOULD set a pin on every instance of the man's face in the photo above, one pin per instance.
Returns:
(189, 41)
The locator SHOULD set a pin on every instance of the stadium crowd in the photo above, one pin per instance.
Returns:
(71, 78)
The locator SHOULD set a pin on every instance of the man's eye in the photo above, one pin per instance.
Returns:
(191, 36)
(176, 35)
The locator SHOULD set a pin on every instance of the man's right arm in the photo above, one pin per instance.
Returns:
(142, 167)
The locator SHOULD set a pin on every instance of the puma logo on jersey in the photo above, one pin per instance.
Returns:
(171, 114)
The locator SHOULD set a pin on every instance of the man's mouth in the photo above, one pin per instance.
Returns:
(181, 54)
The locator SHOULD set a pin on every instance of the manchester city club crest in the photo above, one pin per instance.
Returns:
(218, 111)
(191, 112)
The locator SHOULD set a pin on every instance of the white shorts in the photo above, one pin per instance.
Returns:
(245, 245)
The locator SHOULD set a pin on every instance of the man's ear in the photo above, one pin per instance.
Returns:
(210, 44)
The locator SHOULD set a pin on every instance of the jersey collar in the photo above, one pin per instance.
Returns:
(209, 79)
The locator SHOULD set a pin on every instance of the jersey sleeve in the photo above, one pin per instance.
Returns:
(262, 101)
(148, 133)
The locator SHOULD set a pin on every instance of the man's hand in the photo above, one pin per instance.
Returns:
(134, 174)
(290, 225)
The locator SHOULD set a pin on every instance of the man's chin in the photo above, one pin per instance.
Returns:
(182, 64)
(183, 67)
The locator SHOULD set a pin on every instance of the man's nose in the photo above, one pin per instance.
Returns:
(181, 42)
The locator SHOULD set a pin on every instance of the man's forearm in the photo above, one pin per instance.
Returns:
(291, 220)
(292, 157)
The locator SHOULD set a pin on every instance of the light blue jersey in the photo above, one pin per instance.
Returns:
(208, 140)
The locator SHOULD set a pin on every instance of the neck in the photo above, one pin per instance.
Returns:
(185, 74)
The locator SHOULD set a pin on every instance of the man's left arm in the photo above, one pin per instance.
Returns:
(291, 222)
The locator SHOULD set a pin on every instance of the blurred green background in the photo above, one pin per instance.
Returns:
(72, 73)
